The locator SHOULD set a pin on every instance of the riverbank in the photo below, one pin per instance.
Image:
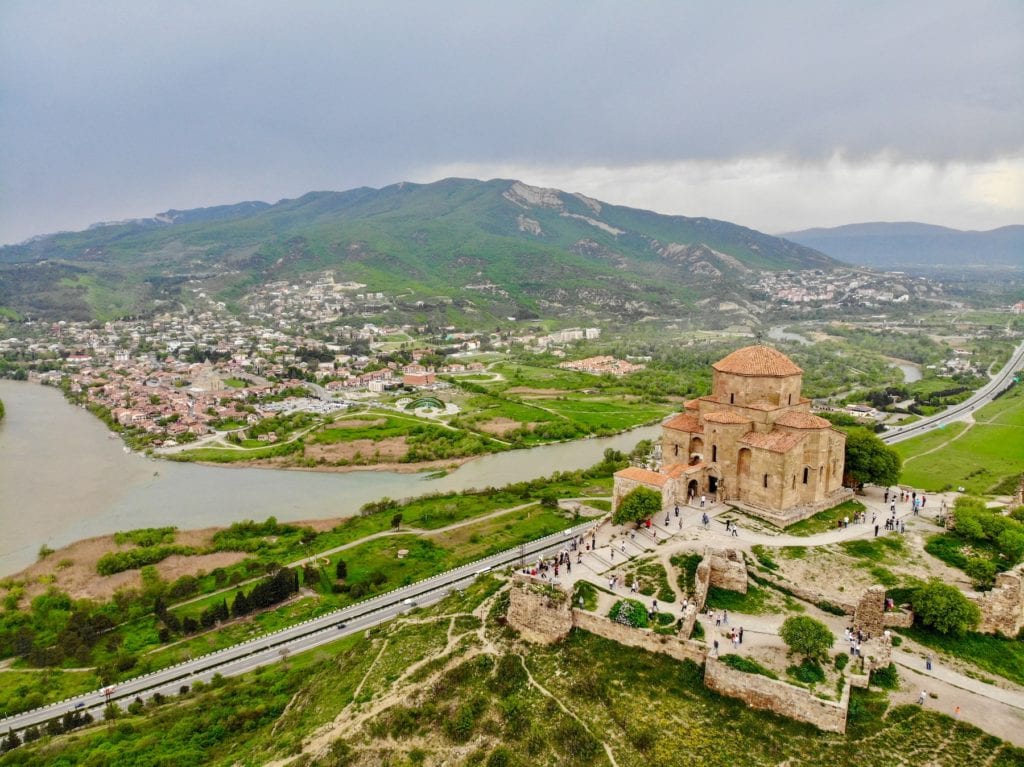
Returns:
(64, 480)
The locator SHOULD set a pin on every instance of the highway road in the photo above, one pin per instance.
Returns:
(270, 648)
(960, 412)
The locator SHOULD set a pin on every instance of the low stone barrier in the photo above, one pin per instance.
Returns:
(673, 646)
(778, 697)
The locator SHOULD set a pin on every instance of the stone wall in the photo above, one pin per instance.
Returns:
(674, 647)
(779, 697)
(541, 613)
(901, 618)
(724, 568)
(870, 613)
(689, 619)
(1002, 608)
(784, 518)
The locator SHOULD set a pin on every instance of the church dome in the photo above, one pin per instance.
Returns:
(757, 361)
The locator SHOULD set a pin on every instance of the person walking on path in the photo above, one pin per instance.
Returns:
(735, 530)
(703, 498)
(876, 531)
(741, 635)
(715, 648)
(921, 697)
(928, 663)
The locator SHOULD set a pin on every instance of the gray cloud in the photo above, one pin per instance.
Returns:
(121, 108)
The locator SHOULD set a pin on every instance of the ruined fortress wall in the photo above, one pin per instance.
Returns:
(1002, 608)
(537, 616)
(870, 613)
(901, 619)
(807, 594)
(680, 649)
(724, 568)
(778, 697)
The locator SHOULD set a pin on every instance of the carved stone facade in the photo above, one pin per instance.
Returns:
(1002, 608)
(753, 442)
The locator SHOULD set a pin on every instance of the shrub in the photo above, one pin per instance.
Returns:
(629, 612)
(747, 665)
(808, 672)
(806, 636)
(944, 609)
(887, 678)
(841, 660)
(638, 504)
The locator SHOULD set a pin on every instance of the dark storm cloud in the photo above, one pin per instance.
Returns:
(115, 109)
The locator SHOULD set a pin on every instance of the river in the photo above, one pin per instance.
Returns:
(62, 478)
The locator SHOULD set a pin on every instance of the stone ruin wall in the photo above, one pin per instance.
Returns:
(673, 646)
(544, 619)
(778, 697)
(786, 517)
(871, 616)
(537, 616)
(723, 568)
(1002, 608)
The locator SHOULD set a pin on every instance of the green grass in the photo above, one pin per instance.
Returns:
(875, 549)
(826, 520)
(980, 460)
(687, 566)
(747, 665)
(24, 690)
(652, 580)
(757, 601)
(235, 383)
(997, 655)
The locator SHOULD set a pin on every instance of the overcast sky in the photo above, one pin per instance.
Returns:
(776, 114)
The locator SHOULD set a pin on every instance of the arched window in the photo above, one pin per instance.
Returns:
(766, 480)
(732, 399)
(789, 401)
(714, 453)
(806, 471)
(675, 449)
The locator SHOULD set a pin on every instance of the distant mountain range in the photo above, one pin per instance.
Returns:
(497, 247)
(909, 244)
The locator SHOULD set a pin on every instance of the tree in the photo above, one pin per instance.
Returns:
(806, 636)
(638, 504)
(944, 608)
(341, 570)
(981, 571)
(869, 460)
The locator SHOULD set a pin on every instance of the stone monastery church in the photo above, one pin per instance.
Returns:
(753, 442)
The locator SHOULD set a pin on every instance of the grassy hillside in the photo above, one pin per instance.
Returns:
(498, 244)
(450, 685)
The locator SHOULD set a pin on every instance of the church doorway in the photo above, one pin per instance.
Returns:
(713, 485)
(692, 489)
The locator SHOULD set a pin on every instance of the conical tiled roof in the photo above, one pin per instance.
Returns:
(757, 361)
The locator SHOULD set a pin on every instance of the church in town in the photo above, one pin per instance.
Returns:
(753, 443)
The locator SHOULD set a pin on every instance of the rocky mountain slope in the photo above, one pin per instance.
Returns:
(501, 247)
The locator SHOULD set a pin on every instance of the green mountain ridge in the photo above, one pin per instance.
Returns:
(500, 246)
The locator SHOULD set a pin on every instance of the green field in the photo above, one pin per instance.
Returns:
(988, 454)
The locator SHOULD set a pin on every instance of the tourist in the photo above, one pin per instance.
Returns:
(735, 640)
(956, 712)
(725, 617)
(921, 697)
(718, 622)
(928, 663)
(702, 500)
(876, 531)
(715, 648)
(741, 635)
(677, 509)
(735, 530)
(923, 499)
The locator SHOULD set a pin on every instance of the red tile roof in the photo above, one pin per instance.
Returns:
(775, 441)
(691, 404)
(799, 420)
(757, 361)
(637, 474)
(685, 422)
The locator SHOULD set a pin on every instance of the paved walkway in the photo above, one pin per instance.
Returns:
(997, 710)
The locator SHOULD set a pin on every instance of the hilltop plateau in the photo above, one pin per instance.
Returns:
(500, 248)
